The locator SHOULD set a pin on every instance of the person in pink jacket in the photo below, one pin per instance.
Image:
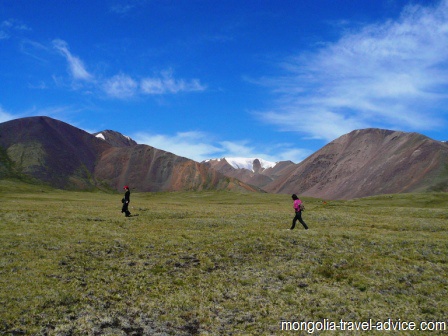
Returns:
(298, 210)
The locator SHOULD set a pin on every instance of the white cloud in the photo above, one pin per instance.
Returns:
(278, 152)
(9, 27)
(237, 148)
(389, 75)
(200, 146)
(76, 66)
(192, 145)
(167, 84)
(120, 86)
(123, 86)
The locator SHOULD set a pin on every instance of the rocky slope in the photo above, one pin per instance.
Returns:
(63, 156)
(362, 163)
(369, 162)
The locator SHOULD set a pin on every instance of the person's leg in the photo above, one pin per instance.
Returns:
(126, 210)
(294, 220)
(299, 215)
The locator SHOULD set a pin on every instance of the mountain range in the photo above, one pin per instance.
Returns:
(358, 164)
(361, 163)
(53, 152)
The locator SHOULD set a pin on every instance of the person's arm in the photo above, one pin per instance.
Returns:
(296, 205)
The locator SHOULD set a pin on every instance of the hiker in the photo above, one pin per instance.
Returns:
(126, 200)
(298, 207)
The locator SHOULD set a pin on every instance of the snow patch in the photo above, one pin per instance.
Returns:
(101, 136)
(248, 163)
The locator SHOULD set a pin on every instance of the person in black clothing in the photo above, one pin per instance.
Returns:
(126, 201)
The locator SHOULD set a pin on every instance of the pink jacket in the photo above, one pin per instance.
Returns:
(296, 205)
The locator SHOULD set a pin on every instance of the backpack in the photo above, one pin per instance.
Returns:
(301, 207)
(123, 200)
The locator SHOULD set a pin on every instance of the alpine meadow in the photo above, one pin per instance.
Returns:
(151, 153)
(218, 263)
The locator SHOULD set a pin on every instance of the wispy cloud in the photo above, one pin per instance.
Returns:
(123, 86)
(167, 84)
(125, 6)
(200, 146)
(192, 145)
(391, 75)
(10, 27)
(277, 152)
(120, 86)
(76, 66)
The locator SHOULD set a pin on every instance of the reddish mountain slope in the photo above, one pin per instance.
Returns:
(146, 168)
(369, 162)
(64, 156)
(362, 163)
(51, 151)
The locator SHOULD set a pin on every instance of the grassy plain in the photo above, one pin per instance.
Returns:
(215, 263)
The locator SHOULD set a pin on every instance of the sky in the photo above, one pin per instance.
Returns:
(203, 79)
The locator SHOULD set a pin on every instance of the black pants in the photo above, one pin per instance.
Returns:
(125, 209)
(298, 217)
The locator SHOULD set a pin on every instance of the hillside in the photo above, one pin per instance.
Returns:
(361, 163)
(50, 151)
(55, 153)
(146, 168)
(369, 162)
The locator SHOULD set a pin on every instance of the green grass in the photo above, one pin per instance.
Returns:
(212, 263)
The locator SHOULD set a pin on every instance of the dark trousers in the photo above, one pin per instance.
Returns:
(298, 217)
(125, 209)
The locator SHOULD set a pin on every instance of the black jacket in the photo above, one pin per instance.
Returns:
(127, 197)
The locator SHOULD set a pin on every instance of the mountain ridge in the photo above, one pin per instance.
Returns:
(369, 162)
(360, 163)
(249, 170)
(63, 156)
(115, 139)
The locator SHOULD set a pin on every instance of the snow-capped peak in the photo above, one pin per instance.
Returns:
(248, 163)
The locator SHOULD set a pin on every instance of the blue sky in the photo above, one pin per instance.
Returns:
(208, 79)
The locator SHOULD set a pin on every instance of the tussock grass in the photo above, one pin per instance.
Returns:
(213, 263)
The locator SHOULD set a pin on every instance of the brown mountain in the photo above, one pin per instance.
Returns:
(258, 176)
(56, 153)
(150, 169)
(362, 163)
(51, 151)
(369, 162)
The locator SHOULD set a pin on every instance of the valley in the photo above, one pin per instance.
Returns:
(215, 262)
